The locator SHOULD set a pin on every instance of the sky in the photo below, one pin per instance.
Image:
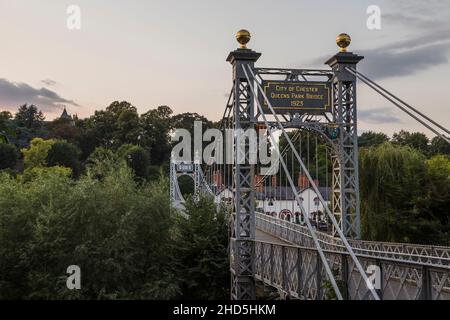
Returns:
(173, 53)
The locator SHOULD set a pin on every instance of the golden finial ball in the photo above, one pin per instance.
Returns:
(343, 41)
(243, 37)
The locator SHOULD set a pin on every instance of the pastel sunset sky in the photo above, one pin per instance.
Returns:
(173, 52)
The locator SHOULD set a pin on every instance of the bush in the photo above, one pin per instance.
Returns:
(118, 232)
(8, 156)
(202, 251)
(137, 158)
(404, 197)
(36, 154)
(64, 154)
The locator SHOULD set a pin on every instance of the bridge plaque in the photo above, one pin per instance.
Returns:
(185, 167)
(296, 97)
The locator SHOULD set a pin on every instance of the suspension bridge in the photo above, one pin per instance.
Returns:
(295, 226)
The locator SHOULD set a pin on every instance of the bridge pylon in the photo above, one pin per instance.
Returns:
(345, 179)
(242, 236)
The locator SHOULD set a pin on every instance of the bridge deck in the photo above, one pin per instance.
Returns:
(263, 236)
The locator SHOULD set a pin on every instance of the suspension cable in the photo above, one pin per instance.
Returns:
(333, 219)
(390, 97)
(285, 150)
(400, 100)
(308, 223)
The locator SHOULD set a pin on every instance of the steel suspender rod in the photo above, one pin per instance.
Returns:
(332, 218)
(308, 223)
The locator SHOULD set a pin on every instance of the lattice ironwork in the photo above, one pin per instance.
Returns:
(297, 273)
(243, 228)
(401, 252)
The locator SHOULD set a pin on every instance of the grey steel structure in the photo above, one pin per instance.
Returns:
(242, 238)
(297, 269)
(345, 202)
(345, 182)
(201, 186)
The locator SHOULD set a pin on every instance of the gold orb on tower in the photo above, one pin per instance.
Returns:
(343, 41)
(243, 37)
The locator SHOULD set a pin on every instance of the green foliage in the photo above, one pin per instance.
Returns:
(6, 129)
(370, 139)
(119, 233)
(31, 174)
(101, 154)
(186, 121)
(329, 293)
(156, 124)
(416, 140)
(29, 116)
(137, 158)
(36, 154)
(8, 156)
(63, 129)
(187, 185)
(306, 145)
(129, 126)
(203, 265)
(402, 198)
(64, 154)
(439, 146)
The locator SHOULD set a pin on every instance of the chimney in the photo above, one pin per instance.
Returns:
(217, 178)
(274, 181)
(302, 181)
(259, 183)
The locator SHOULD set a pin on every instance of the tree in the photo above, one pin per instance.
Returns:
(370, 138)
(129, 127)
(6, 129)
(36, 154)
(439, 146)
(118, 124)
(306, 143)
(416, 140)
(29, 116)
(137, 158)
(395, 196)
(5, 116)
(120, 232)
(202, 251)
(8, 156)
(156, 125)
(64, 154)
(63, 129)
(186, 121)
(187, 185)
(436, 198)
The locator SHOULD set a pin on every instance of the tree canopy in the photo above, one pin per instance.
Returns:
(404, 197)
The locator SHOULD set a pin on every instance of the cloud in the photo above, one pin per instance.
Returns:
(405, 57)
(378, 115)
(420, 7)
(412, 21)
(14, 94)
(427, 46)
(49, 82)
(395, 63)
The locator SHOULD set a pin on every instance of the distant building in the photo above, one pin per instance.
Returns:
(66, 116)
(280, 202)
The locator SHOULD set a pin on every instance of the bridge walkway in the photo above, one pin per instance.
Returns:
(266, 237)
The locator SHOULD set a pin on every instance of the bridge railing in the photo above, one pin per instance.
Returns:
(299, 235)
(297, 272)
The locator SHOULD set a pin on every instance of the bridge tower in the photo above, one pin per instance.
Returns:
(243, 217)
(345, 179)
